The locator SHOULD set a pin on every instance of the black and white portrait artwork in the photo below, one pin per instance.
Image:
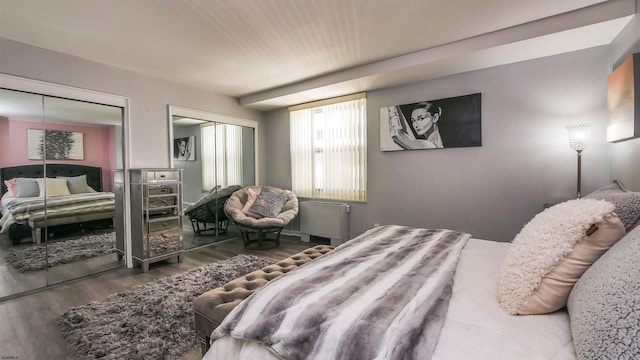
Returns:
(56, 144)
(184, 148)
(432, 124)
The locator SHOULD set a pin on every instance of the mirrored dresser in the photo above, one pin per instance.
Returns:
(156, 222)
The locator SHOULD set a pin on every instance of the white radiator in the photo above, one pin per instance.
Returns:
(325, 219)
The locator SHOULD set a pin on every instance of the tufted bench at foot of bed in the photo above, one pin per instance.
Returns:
(213, 306)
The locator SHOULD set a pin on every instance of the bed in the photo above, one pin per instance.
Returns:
(74, 197)
(565, 288)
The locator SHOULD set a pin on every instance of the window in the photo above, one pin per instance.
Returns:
(329, 149)
(221, 155)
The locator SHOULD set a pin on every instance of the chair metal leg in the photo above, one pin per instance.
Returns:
(204, 343)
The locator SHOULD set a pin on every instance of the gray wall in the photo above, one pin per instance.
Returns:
(493, 190)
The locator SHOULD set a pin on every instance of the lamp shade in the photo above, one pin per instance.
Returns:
(579, 136)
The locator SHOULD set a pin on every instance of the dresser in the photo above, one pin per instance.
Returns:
(156, 221)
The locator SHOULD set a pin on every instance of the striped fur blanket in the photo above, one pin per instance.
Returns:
(382, 295)
(22, 210)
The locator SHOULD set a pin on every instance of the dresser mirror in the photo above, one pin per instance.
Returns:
(57, 157)
(216, 153)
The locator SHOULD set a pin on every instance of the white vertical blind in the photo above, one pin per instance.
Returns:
(229, 154)
(208, 155)
(221, 155)
(328, 151)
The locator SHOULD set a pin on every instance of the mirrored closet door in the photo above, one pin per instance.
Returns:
(217, 156)
(58, 205)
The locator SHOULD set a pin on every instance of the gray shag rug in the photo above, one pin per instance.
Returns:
(37, 257)
(150, 321)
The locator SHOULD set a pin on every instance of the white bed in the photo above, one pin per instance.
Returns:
(574, 266)
(475, 326)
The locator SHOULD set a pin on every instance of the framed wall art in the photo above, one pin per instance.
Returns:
(623, 100)
(57, 144)
(184, 148)
(432, 124)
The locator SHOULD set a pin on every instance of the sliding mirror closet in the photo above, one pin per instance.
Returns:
(58, 149)
(218, 156)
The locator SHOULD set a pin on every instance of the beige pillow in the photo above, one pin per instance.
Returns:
(53, 187)
(251, 198)
(552, 251)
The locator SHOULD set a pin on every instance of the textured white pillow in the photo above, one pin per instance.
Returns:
(552, 251)
(53, 187)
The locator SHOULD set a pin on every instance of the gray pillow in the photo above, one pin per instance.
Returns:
(627, 202)
(26, 188)
(604, 305)
(268, 203)
(76, 184)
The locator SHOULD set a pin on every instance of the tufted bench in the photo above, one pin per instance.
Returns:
(213, 306)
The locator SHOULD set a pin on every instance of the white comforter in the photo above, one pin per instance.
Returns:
(475, 326)
(21, 210)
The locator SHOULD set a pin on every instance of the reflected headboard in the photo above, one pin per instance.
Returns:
(94, 173)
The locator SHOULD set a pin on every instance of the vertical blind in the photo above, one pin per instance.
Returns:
(328, 151)
(221, 155)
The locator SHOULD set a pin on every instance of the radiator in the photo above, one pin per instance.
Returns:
(325, 219)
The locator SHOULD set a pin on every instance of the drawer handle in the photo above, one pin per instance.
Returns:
(165, 224)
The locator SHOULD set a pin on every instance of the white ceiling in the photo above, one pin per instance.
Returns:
(274, 53)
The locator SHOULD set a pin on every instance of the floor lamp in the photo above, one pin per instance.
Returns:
(579, 138)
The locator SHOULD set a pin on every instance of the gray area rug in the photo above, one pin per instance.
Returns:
(150, 321)
(33, 257)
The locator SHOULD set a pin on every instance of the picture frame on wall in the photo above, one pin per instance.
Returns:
(184, 149)
(623, 101)
(432, 124)
(60, 145)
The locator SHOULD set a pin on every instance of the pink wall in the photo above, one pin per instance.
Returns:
(4, 139)
(99, 146)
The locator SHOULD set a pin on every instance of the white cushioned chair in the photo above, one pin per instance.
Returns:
(261, 232)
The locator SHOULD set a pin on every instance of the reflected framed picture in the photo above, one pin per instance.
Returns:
(432, 124)
(184, 148)
(623, 101)
(60, 145)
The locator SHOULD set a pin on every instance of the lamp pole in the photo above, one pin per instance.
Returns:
(579, 173)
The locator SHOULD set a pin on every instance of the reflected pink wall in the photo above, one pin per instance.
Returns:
(99, 146)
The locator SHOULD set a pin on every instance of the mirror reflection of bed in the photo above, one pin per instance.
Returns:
(67, 246)
(77, 226)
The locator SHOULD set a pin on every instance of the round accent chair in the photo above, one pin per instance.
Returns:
(260, 213)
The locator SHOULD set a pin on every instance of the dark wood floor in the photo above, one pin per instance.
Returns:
(28, 327)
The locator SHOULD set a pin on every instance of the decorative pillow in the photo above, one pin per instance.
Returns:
(251, 198)
(53, 187)
(76, 184)
(11, 187)
(552, 251)
(27, 187)
(627, 202)
(268, 203)
(604, 305)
